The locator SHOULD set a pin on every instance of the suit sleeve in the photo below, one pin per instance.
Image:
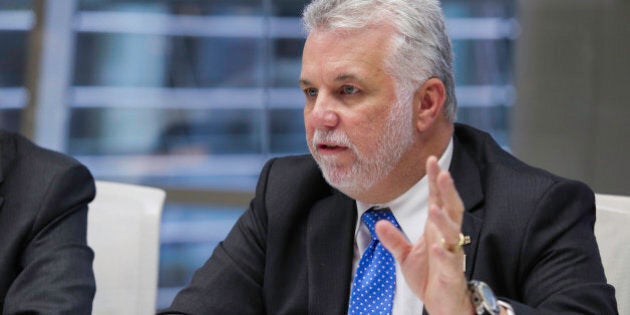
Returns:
(561, 270)
(231, 281)
(56, 264)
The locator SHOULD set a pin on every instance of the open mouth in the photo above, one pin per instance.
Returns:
(329, 147)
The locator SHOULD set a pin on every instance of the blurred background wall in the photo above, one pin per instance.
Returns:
(193, 96)
(572, 71)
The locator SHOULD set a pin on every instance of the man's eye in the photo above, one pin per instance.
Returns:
(310, 92)
(349, 89)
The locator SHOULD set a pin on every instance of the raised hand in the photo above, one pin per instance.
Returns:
(433, 266)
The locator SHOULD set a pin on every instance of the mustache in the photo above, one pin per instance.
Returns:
(337, 137)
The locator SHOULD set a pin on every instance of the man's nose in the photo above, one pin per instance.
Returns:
(324, 114)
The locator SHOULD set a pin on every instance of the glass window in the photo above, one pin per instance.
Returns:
(10, 118)
(15, 21)
(13, 62)
(196, 95)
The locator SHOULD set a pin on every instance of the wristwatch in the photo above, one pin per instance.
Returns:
(483, 298)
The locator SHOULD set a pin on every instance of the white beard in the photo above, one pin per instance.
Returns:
(369, 167)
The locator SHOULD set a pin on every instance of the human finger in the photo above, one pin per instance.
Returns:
(451, 201)
(393, 239)
(412, 258)
(433, 170)
(448, 229)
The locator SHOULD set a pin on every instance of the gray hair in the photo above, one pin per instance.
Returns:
(421, 50)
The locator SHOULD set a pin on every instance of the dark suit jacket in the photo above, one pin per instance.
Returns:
(291, 252)
(45, 263)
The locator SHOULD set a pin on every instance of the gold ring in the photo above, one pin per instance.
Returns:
(463, 240)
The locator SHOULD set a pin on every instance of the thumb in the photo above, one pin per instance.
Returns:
(393, 239)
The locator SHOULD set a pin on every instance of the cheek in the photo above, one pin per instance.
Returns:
(308, 127)
(361, 133)
(363, 140)
(310, 131)
(367, 131)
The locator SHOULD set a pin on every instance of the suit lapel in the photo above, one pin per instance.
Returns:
(467, 177)
(330, 239)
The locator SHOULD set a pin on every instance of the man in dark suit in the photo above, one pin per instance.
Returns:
(379, 116)
(45, 263)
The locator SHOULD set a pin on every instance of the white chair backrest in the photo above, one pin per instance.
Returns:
(123, 231)
(612, 230)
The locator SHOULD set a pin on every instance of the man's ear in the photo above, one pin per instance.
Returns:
(428, 103)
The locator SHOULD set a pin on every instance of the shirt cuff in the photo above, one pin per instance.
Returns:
(508, 307)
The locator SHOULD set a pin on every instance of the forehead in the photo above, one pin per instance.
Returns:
(334, 53)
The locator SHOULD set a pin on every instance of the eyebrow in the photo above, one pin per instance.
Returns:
(303, 82)
(344, 77)
(341, 77)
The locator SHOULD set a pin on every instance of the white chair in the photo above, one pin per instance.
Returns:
(123, 231)
(612, 230)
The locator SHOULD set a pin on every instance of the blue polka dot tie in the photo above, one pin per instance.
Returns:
(375, 279)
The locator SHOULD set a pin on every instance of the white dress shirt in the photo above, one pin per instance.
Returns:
(410, 210)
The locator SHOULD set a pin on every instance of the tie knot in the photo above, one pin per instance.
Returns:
(373, 215)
